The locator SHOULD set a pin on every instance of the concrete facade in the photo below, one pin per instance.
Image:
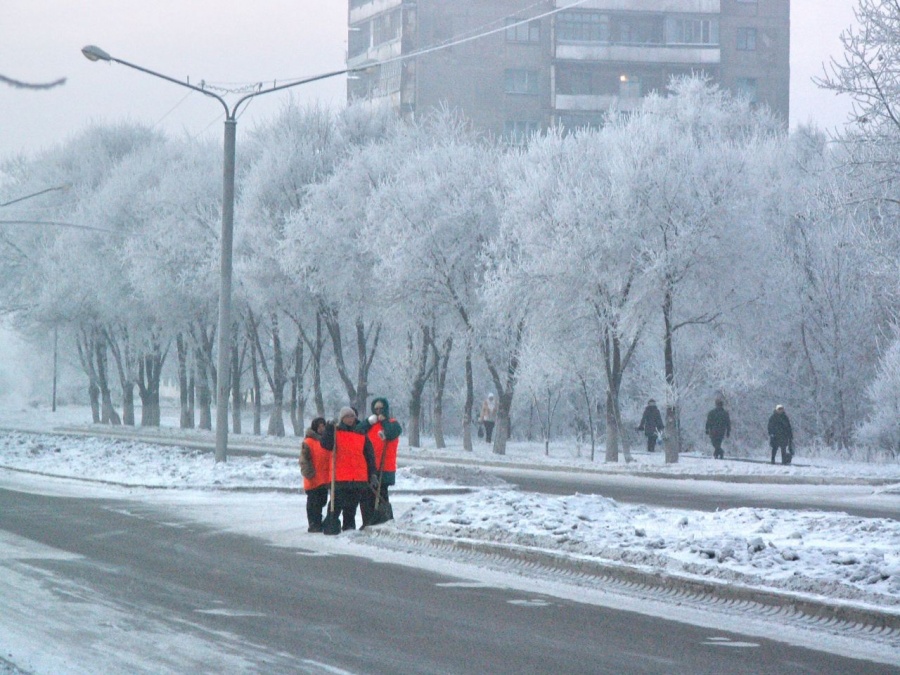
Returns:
(548, 62)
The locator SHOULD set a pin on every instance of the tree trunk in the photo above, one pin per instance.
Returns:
(442, 365)
(590, 412)
(506, 390)
(469, 402)
(357, 392)
(108, 415)
(418, 349)
(298, 394)
(204, 393)
(149, 375)
(122, 355)
(237, 400)
(128, 403)
(256, 390)
(672, 438)
(186, 416)
(85, 345)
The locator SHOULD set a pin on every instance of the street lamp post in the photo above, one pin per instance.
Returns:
(93, 53)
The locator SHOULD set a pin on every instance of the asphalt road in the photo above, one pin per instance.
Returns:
(172, 596)
(709, 495)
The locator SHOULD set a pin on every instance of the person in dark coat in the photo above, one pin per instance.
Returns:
(718, 427)
(651, 424)
(781, 436)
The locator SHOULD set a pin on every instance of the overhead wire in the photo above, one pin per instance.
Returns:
(461, 38)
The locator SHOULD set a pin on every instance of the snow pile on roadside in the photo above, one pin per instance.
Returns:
(136, 463)
(830, 554)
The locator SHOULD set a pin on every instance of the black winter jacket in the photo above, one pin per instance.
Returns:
(780, 432)
(718, 423)
(651, 421)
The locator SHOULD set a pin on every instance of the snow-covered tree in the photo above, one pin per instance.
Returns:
(431, 216)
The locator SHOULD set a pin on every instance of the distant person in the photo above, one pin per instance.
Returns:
(718, 427)
(383, 432)
(354, 464)
(315, 467)
(651, 424)
(781, 435)
(488, 416)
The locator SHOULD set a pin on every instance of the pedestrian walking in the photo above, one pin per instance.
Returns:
(651, 424)
(315, 467)
(781, 435)
(354, 464)
(383, 432)
(718, 427)
(488, 416)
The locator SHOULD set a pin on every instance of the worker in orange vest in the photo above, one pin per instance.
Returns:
(315, 467)
(383, 432)
(355, 467)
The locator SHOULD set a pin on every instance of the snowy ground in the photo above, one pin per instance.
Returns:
(819, 554)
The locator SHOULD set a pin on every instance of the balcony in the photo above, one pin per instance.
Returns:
(687, 55)
(370, 9)
(601, 103)
(657, 6)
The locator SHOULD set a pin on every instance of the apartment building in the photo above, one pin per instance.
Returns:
(517, 66)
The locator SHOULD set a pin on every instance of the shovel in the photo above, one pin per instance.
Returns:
(332, 524)
(383, 511)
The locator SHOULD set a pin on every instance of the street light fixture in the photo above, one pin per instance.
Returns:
(94, 53)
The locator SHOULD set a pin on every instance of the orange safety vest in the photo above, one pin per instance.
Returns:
(321, 461)
(390, 460)
(351, 462)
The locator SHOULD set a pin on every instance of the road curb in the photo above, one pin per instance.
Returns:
(829, 612)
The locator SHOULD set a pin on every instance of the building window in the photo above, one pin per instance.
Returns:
(692, 31)
(521, 81)
(360, 39)
(746, 39)
(518, 132)
(747, 87)
(386, 28)
(629, 86)
(632, 29)
(523, 32)
(582, 27)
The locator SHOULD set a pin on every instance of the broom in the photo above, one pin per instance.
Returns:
(332, 524)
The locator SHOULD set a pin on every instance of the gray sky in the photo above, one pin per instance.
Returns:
(236, 41)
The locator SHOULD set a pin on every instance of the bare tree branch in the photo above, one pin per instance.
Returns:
(19, 84)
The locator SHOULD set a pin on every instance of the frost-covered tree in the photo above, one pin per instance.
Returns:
(431, 216)
(75, 279)
(173, 264)
(324, 251)
(692, 150)
(869, 69)
(882, 428)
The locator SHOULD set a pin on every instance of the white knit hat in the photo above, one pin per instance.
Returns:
(346, 410)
